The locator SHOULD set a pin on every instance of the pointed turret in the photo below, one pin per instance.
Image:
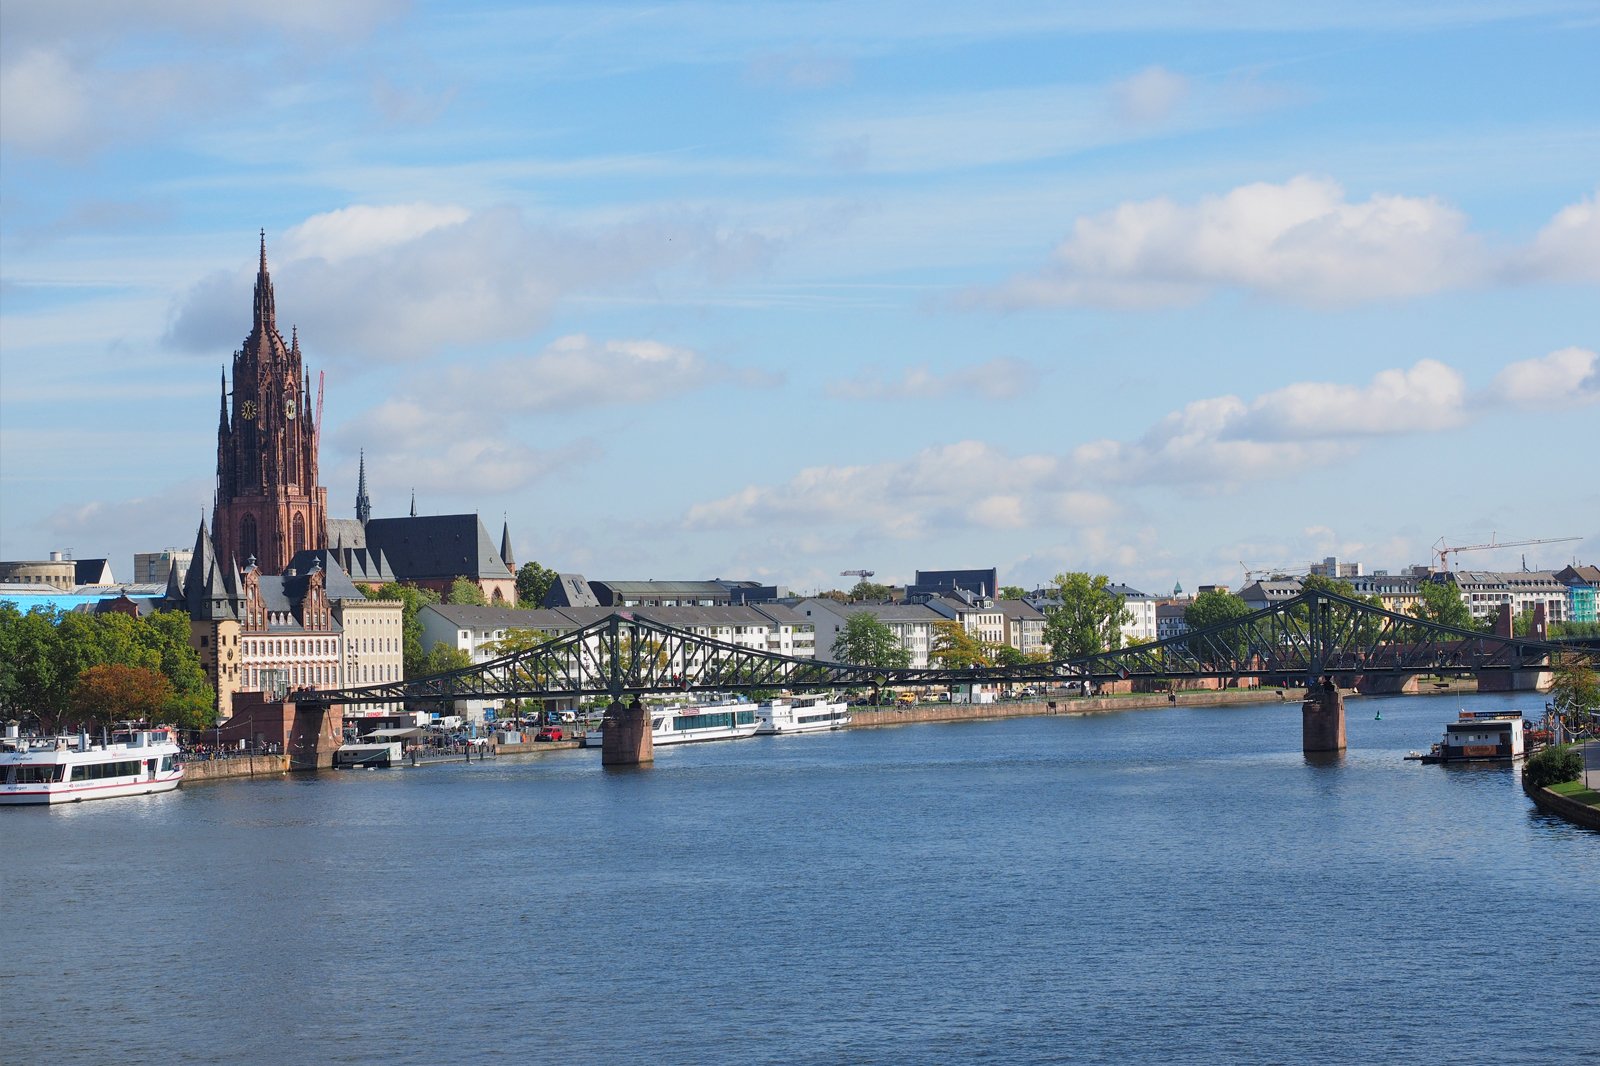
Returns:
(505, 546)
(413, 503)
(222, 426)
(206, 591)
(265, 311)
(174, 586)
(363, 504)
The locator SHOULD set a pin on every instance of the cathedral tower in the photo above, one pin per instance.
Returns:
(269, 504)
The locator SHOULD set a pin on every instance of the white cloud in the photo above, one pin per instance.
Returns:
(577, 372)
(1429, 396)
(1002, 378)
(1150, 96)
(1569, 377)
(441, 279)
(363, 229)
(1568, 249)
(1301, 241)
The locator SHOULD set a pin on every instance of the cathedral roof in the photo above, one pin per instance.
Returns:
(436, 546)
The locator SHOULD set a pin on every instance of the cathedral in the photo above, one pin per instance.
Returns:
(269, 503)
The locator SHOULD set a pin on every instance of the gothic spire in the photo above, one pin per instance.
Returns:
(266, 315)
(363, 505)
(224, 423)
(413, 503)
(505, 546)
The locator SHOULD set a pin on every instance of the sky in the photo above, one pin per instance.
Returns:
(1164, 291)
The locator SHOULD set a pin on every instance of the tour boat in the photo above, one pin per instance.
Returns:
(1480, 736)
(681, 725)
(804, 714)
(133, 762)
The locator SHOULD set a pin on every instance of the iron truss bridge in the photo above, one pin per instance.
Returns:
(1311, 636)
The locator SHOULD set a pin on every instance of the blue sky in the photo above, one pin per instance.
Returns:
(778, 290)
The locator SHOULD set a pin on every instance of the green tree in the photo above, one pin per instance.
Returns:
(870, 590)
(533, 582)
(1006, 655)
(412, 600)
(955, 649)
(866, 641)
(1215, 607)
(1012, 592)
(1576, 692)
(464, 591)
(1087, 620)
(442, 658)
(34, 681)
(1440, 602)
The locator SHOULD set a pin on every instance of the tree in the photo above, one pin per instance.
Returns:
(955, 649)
(112, 692)
(33, 678)
(865, 641)
(1576, 692)
(533, 582)
(1211, 608)
(465, 591)
(442, 658)
(412, 601)
(1087, 620)
(1439, 602)
(869, 590)
(1012, 592)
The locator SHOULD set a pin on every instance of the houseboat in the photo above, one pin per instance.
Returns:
(682, 725)
(1480, 736)
(132, 762)
(803, 714)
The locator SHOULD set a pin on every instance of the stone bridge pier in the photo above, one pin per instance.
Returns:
(1322, 720)
(626, 739)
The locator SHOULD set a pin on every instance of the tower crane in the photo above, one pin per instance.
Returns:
(1443, 551)
(1272, 571)
(862, 574)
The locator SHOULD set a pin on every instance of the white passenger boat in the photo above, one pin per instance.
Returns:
(803, 714)
(69, 769)
(682, 725)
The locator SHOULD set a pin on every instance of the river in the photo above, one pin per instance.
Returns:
(1177, 886)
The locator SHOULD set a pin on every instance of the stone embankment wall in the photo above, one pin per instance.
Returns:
(867, 717)
(1562, 806)
(251, 766)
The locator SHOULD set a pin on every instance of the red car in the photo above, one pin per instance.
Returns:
(549, 732)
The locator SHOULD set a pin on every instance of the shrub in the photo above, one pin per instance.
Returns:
(1553, 766)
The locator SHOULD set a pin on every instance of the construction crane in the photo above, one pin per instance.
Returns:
(1443, 551)
(320, 375)
(1272, 571)
(862, 574)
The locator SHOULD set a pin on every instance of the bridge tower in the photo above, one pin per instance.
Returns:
(626, 739)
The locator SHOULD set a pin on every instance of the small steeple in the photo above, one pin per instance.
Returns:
(224, 422)
(363, 504)
(413, 503)
(505, 546)
(266, 314)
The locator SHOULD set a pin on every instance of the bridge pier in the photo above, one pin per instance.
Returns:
(1322, 719)
(626, 738)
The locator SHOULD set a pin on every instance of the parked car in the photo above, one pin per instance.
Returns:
(550, 732)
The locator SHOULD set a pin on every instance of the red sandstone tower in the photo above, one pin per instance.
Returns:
(269, 504)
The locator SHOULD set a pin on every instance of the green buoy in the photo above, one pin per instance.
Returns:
(1378, 717)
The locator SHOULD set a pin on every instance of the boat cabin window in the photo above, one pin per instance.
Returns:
(41, 774)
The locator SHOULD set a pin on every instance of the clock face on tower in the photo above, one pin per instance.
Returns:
(248, 410)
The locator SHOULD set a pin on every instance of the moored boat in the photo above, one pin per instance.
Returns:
(682, 725)
(803, 714)
(133, 762)
(1480, 736)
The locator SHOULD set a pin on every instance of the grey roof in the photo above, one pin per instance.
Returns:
(883, 612)
(335, 581)
(1127, 592)
(1018, 611)
(365, 565)
(92, 572)
(436, 546)
(466, 615)
(211, 590)
(569, 590)
(346, 533)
